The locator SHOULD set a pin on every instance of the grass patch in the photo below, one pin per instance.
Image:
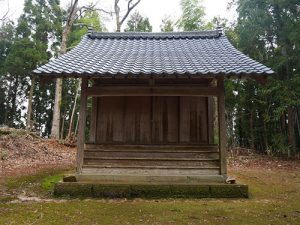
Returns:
(274, 200)
(40, 183)
(49, 181)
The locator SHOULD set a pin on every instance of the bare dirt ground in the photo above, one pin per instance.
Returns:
(246, 159)
(25, 154)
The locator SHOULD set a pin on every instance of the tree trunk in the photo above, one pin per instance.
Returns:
(62, 127)
(291, 130)
(130, 6)
(29, 110)
(117, 12)
(252, 141)
(73, 110)
(59, 82)
(76, 127)
(298, 122)
(56, 111)
(266, 138)
(6, 119)
(14, 102)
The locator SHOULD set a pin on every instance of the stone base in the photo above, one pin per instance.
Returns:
(98, 190)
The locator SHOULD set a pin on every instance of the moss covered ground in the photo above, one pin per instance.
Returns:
(274, 199)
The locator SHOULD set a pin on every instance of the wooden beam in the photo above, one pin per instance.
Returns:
(94, 119)
(222, 128)
(81, 125)
(152, 91)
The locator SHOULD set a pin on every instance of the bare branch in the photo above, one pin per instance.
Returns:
(130, 6)
(4, 17)
(129, 9)
(91, 8)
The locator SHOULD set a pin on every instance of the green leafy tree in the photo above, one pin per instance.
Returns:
(38, 28)
(138, 23)
(89, 19)
(6, 40)
(267, 31)
(192, 17)
(167, 25)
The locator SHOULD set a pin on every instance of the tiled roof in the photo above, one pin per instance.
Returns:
(204, 53)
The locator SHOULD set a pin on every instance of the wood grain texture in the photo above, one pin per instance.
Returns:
(193, 120)
(210, 120)
(152, 120)
(81, 125)
(94, 120)
(165, 120)
(152, 91)
(124, 120)
(222, 128)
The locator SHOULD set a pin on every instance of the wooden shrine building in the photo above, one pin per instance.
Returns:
(157, 112)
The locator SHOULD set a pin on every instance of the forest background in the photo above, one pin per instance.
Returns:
(263, 116)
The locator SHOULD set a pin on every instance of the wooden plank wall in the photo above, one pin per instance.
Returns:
(165, 120)
(193, 120)
(152, 120)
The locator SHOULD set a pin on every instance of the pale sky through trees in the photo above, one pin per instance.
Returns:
(156, 10)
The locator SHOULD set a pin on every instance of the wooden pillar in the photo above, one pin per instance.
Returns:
(81, 125)
(94, 120)
(222, 128)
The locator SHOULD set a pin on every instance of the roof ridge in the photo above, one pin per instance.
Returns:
(156, 35)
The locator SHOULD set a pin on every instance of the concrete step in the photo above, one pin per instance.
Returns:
(148, 179)
(162, 191)
(149, 170)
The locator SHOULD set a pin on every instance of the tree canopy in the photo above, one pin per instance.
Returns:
(137, 22)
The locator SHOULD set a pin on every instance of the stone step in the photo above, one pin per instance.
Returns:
(149, 171)
(148, 179)
(99, 190)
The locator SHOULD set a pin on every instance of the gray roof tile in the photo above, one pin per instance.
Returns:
(191, 53)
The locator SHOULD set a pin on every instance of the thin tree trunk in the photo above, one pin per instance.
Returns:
(13, 102)
(291, 130)
(76, 127)
(252, 141)
(29, 110)
(73, 110)
(117, 12)
(298, 122)
(59, 82)
(266, 138)
(56, 111)
(62, 127)
(7, 103)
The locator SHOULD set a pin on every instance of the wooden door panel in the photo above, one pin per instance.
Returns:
(146, 120)
(193, 119)
(124, 120)
(137, 120)
(165, 119)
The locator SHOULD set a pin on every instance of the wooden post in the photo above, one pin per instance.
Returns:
(81, 125)
(94, 120)
(222, 128)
